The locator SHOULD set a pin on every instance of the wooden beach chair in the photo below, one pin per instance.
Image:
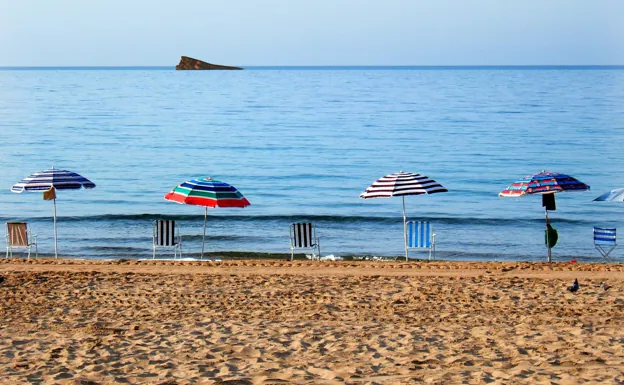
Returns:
(604, 242)
(19, 236)
(303, 236)
(167, 235)
(420, 236)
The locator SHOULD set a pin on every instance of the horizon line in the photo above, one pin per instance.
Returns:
(328, 66)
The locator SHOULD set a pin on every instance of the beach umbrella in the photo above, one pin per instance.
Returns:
(546, 184)
(207, 192)
(402, 184)
(47, 182)
(616, 195)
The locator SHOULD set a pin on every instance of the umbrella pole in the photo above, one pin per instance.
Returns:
(55, 245)
(547, 240)
(404, 229)
(204, 238)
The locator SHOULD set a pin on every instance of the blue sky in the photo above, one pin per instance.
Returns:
(311, 32)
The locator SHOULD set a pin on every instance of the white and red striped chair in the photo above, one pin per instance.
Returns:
(167, 235)
(303, 236)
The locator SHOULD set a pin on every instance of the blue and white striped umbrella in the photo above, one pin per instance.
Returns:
(616, 195)
(45, 180)
(59, 179)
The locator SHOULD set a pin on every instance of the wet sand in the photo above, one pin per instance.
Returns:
(270, 322)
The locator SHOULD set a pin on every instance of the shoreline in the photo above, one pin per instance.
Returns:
(412, 268)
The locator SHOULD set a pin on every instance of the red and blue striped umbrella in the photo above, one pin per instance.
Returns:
(207, 192)
(544, 183)
(45, 180)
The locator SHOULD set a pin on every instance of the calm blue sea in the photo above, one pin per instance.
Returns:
(301, 143)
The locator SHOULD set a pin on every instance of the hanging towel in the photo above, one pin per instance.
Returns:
(50, 194)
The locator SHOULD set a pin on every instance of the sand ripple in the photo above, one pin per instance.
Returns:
(264, 322)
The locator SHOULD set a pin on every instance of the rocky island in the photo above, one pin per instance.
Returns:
(188, 63)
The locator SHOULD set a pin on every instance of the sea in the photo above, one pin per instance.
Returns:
(302, 143)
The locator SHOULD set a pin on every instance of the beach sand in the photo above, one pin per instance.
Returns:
(271, 322)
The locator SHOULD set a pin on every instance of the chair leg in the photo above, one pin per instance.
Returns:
(318, 248)
(606, 254)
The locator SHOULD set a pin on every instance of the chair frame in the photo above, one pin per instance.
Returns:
(31, 240)
(605, 246)
(177, 237)
(314, 239)
(409, 236)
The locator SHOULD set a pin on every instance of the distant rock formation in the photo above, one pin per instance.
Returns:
(188, 63)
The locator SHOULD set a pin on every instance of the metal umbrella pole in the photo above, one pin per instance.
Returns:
(404, 229)
(204, 238)
(55, 245)
(548, 240)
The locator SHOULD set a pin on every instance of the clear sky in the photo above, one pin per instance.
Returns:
(311, 32)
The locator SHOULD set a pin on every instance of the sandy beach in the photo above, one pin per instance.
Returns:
(272, 322)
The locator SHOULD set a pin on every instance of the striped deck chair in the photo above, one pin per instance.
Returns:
(303, 236)
(19, 236)
(604, 242)
(420, 236)
(167, 235)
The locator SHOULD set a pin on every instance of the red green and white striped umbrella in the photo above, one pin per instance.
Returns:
(207, 192)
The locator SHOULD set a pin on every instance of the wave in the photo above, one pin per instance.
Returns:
(315, 218)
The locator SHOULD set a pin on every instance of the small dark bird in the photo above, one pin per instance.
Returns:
(1, 279)
(573, 288)
(604, 286)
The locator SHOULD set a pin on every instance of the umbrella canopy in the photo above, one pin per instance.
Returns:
(616, 195)
(402, 184)
(207, 192)
(544, 183)
(53, 178)
(59, 179)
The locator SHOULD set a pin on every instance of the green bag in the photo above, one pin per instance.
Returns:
(550, 236)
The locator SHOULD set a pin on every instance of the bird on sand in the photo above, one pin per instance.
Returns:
(573, 288)
(604, 286)
(1, 279)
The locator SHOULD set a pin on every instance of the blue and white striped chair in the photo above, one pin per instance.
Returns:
(604, 241)
(303, 236)
(167, 235)
(420, 236)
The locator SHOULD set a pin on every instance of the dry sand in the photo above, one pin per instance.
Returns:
(267, 322)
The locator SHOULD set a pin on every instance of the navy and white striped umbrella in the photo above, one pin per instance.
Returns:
(59, 179)
(402, 184)
(46, 180)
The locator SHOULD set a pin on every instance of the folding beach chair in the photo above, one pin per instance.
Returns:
(167, 235)
(604, 241)
(19, 236)
(420, 236)
(303, 236)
